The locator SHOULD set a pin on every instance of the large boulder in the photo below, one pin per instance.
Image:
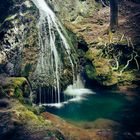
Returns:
(14, 87)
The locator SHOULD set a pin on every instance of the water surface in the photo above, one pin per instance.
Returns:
(100, 106)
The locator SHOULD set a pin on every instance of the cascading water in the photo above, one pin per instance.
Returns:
(77, 89)
(53, 48)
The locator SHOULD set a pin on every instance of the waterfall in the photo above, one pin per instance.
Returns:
(77, 89)
(49, 65)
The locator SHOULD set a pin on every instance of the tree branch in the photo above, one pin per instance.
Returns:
(126, 64)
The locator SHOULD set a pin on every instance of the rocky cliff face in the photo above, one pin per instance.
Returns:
(18, 38)
(107, 58)
(73, 11)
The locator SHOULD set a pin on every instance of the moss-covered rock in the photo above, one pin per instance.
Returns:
(17, 87)
(18, 122)
(93, 54)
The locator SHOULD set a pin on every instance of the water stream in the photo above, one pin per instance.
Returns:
(53, 48)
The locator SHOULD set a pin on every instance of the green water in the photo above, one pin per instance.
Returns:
(107, 106)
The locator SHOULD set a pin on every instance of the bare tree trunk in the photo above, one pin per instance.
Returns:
(113, 15)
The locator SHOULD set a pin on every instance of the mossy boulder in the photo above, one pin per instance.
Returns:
(18, 122)
(15, 87)
(100, 68)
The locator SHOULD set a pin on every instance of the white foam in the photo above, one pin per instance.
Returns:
(57, 105)
(78, 92)
(76, 99)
